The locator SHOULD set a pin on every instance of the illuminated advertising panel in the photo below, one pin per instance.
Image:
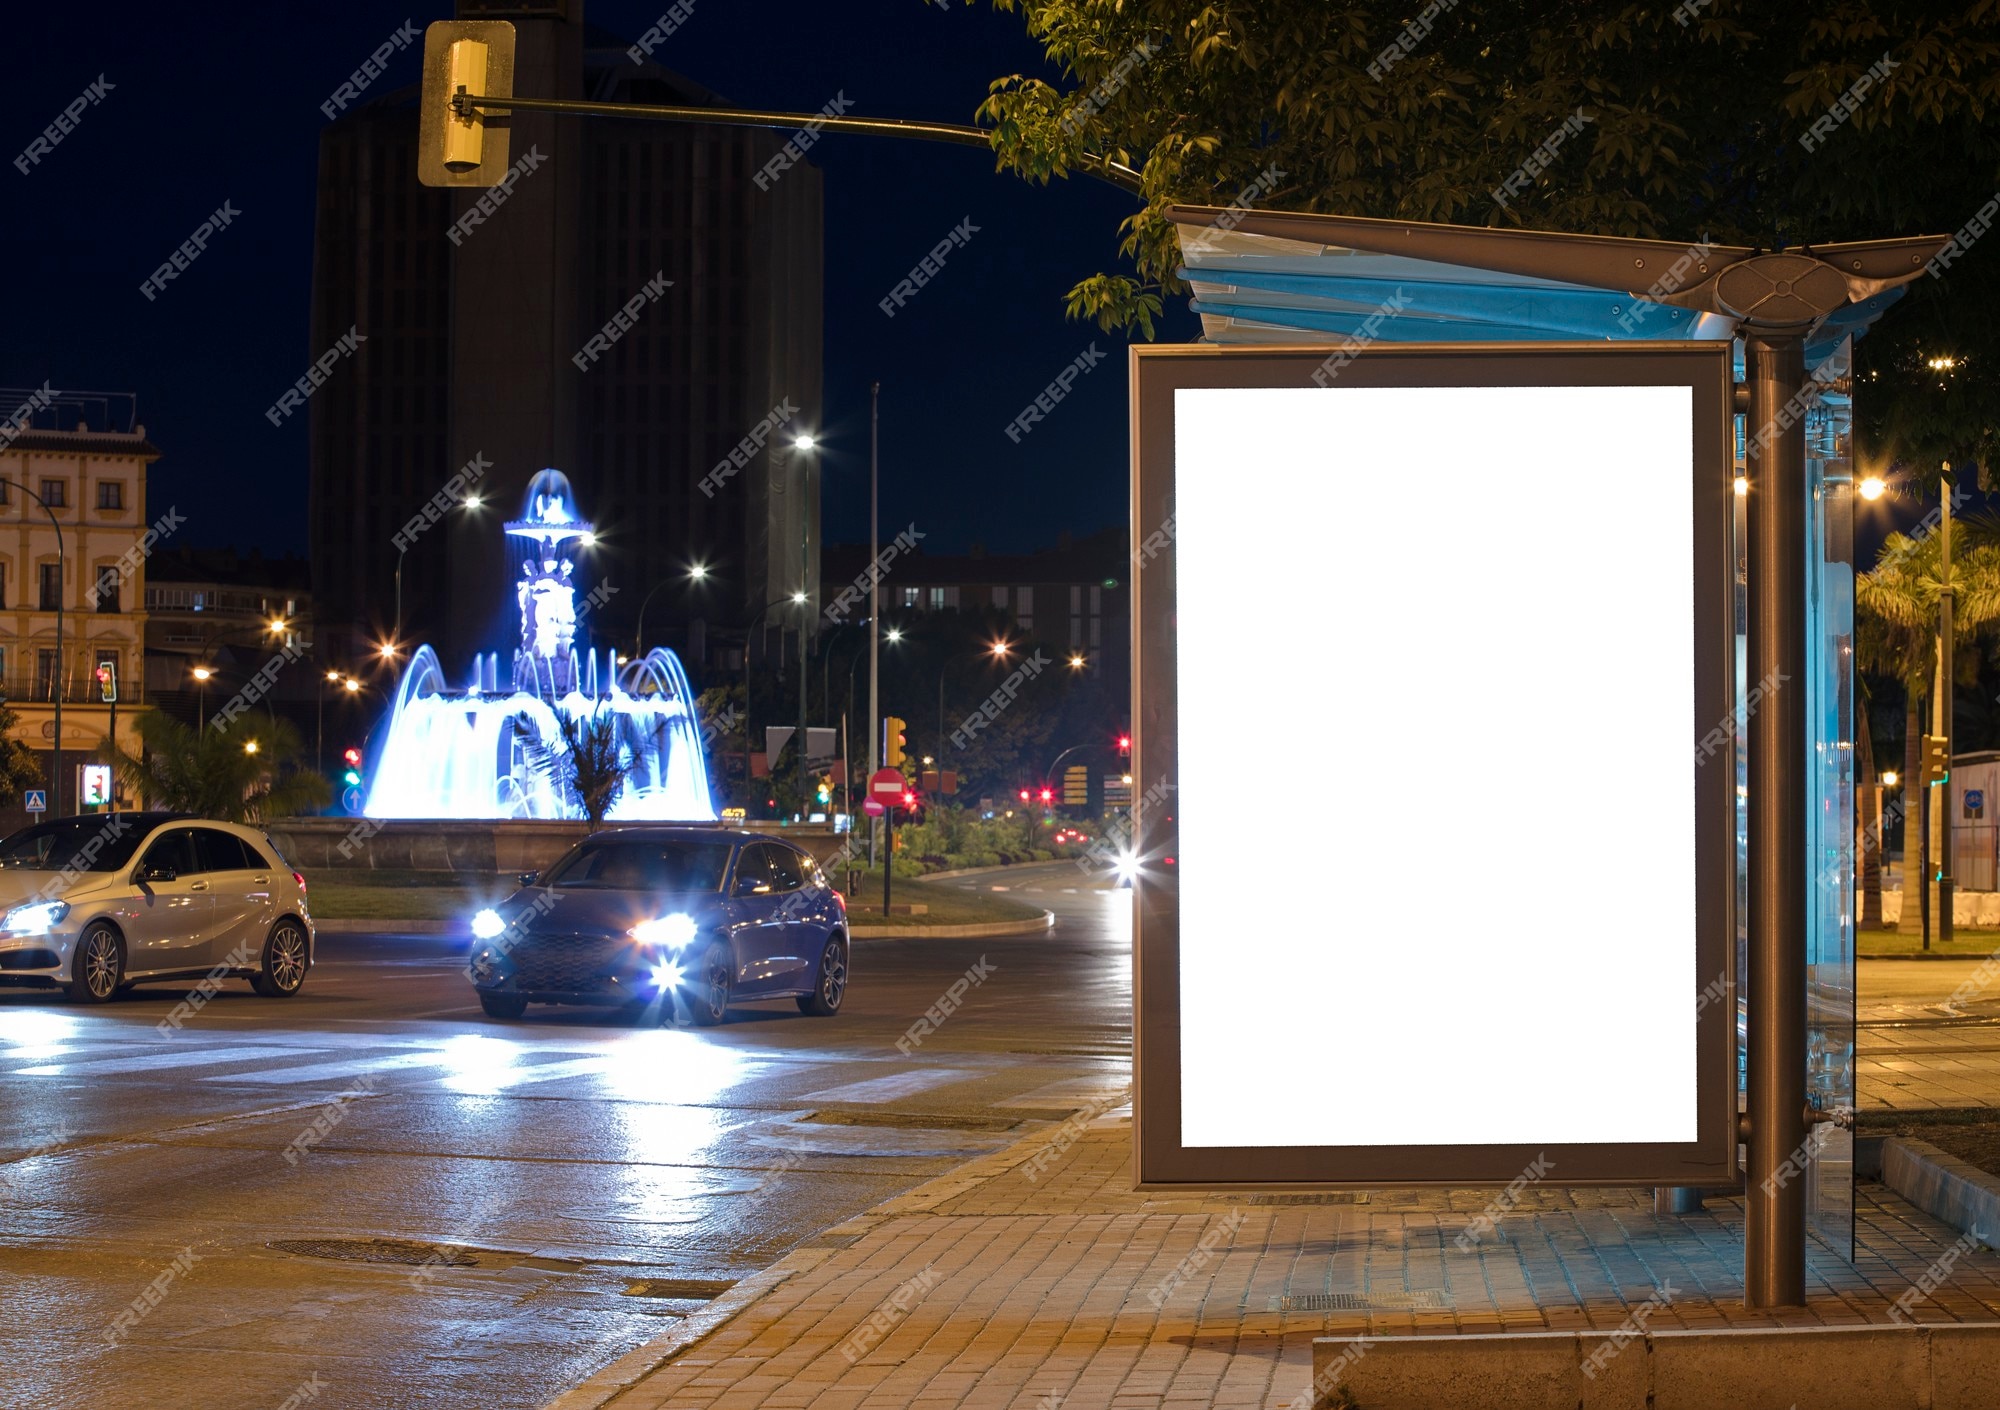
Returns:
(1432, 764)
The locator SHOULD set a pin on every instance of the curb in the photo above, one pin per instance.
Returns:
(1902, 1366)
(1943, 1186)
(637, 1364)
(979, 930)
(980, 871)
(1931, 958)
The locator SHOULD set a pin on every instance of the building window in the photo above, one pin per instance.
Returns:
(3, 588)
(108, 582)
(912, 597)
(937, 599)
(55, 493)
(45, 674)
(1024, 607)
(51, 585)
(110, 494)
(6, 491)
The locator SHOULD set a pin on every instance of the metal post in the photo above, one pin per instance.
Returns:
(874, 592)
(1774, 1255)
(1945, 592)
(805, 618)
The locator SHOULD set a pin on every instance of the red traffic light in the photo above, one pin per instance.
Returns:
(1024, 795)
(1124, 744)
(1048, 795)
(353, 757)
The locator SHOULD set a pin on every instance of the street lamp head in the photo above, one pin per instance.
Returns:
(698, 571)
(587, 540)
(277, 624)
(352, 685)
(799, 597)
(388, 649)
(1076, 662)
(333, 675)
(202, 673)
(249, 746)
(805, 442)
(894, 634)
(1889, 778)
(1000, 648)
(1873, 487)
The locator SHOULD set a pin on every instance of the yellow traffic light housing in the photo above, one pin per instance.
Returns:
(893, 740)
(469, 148)
(1936, 759)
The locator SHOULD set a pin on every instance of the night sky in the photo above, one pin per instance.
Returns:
(208, 105)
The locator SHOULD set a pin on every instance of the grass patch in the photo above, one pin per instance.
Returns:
(1970, 1133)
(429, 895)
(1972, 944)
(949, 905)
(401, 895)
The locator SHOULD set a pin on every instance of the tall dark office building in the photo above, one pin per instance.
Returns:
(472, 333)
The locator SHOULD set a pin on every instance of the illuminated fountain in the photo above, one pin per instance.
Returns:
(480, 754)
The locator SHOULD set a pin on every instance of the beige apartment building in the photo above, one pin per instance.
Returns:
(90, 479)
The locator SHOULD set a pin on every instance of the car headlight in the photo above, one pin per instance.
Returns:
(487, 925)
(668, 932)
(35, 917)
(1128, 867)
(667, 975)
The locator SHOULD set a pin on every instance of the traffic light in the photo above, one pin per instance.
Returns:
(107, 681)
(825, 791)
(464, 149)
(1048, 795)
(352, 758)
(1124, 745)
(1936, 759)
(893, 740)
(1025, 795)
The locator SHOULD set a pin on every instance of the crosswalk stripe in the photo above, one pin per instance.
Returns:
(335, 1071)
(882, 1089)
(159, 1062)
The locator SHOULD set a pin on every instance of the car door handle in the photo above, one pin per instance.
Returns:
(197, 886)
(260, 881)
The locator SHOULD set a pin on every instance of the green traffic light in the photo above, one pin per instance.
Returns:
(353, 777)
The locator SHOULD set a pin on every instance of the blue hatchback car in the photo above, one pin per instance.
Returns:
(642, 916)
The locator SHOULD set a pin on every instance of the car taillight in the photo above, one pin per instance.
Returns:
(841, 901)
(301, 881)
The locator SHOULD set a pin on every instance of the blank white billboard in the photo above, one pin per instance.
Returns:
(1442, 889)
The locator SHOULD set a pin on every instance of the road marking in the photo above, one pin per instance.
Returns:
(1070, 1091)
(885, 1089)
(162, 1061)
(335, 1071)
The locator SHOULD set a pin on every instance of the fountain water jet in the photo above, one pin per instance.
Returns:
(480, 754)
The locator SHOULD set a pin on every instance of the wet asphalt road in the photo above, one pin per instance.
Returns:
(144, 1178)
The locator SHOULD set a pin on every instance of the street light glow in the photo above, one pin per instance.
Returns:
(805, 442)
(473, 501)
(895, 634)
(249, 746)
(1076, 663)
(352, 685)
(1000, 648)
(388, 649)
(1872, 487)
(698, 571)
(1742, 486)
(1889, 778)
(799, 597)
(202, 673)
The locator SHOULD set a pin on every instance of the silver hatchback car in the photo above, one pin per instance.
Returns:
(92, 904)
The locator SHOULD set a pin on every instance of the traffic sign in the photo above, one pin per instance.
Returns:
(1975, 802)
(872, 808)
(37, 800)
(886, 784)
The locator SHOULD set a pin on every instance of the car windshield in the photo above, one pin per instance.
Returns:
(101, 843)
(678, 864)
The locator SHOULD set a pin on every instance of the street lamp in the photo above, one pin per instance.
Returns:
(1872, 488)
(696, 573)
(996, 650)
(201, 675)
(1076, 661)
(471, 501)
(62, 572)
(805, 444)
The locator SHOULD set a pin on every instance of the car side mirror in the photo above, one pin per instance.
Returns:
(158, 874)
(527, 878)
(746, 886)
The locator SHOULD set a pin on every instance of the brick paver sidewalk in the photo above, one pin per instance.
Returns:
(988, 1288)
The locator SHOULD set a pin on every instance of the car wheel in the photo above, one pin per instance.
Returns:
(708, 995)
(98, 966)
(283, 968)
(824, 1001)
(503, 1005)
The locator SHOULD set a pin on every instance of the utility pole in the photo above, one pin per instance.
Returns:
(1944, 721)
(874, 593)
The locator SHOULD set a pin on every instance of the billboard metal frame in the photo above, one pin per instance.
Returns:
(1160, 1160)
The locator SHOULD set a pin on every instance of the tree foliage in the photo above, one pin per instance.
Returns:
(1696, 114)
(20, 763)
(215, 773)
(592, 764)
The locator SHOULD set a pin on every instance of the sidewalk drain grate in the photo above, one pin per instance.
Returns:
(408, 1251)
(1361, 1302)
(692, 1289)
(915, 1120)
(1330, 1197)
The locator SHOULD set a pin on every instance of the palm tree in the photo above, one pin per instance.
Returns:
(1896, 607)
(250, 772)
(594, 761)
